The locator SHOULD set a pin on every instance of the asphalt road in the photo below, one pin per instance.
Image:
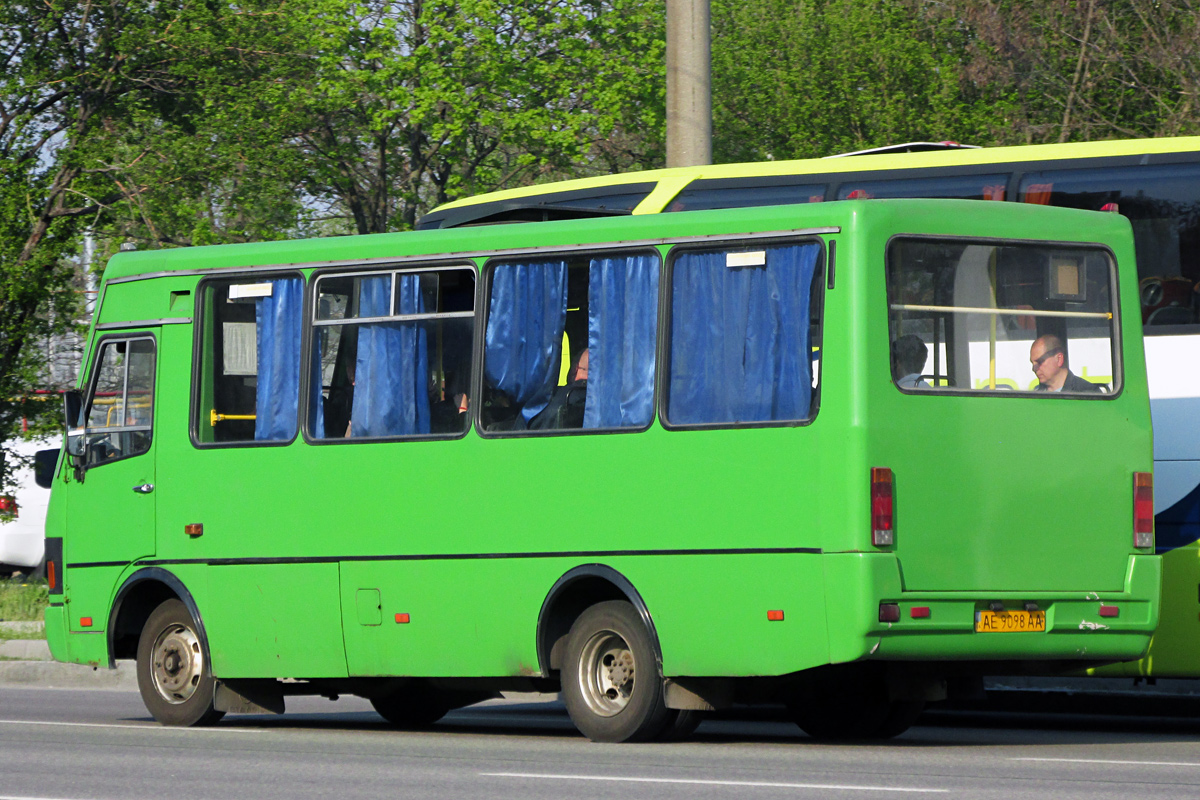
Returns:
(101, 745)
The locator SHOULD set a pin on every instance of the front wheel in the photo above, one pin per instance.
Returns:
(174, 676)
(610, 681)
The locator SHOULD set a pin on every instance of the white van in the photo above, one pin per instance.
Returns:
(23, 539)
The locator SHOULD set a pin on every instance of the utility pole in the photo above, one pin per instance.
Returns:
(689, 83)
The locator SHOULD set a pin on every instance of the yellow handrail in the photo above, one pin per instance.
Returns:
(214, 417)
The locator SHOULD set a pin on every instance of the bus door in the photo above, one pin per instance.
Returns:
(111, 503)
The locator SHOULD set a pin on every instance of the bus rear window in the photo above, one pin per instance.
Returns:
(984, 317)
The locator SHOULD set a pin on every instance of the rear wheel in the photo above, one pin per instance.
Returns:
(852, 703)
(681, 724)
(419, 705)
(610, 680)
(174, 676)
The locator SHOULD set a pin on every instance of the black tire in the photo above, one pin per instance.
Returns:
(681, 724)
(611, 683)
(173, 670)
(419, 705)
(412, 707)
(853, 704)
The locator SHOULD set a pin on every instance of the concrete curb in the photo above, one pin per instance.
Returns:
(26, 649)
(54, 675)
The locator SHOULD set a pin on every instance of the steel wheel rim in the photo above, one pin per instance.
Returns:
(177, 663)
(606, 673)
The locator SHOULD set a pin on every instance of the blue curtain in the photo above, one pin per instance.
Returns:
(622, 319)
(739, 338)
(526, 318)
(277, 325)
(391, 369)
(316, 393)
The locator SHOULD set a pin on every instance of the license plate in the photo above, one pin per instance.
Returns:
(1010, 621)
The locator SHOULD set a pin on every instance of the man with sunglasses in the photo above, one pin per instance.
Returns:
(1048, 357)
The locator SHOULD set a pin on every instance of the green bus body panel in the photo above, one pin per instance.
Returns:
(275, 620)
(310, 551)
(1172, 650)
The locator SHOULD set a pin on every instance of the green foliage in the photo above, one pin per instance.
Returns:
(23, 601)
(807, 78)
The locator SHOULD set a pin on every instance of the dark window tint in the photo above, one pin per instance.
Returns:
(980, 316)
(570, 343)
(120, 410)
(742, 348)
(250, 360)
(1163, 204)
(956, 187)
(392, 353)
(700, 195)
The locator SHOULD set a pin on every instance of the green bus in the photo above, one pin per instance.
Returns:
(662, 464)
(1154, 183)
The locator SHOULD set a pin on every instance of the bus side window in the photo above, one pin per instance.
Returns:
(570, 344)
(741, 346)
(120, 410)
(392, 353)
(249, 387)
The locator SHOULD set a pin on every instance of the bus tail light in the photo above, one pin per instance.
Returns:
(882, 532)
(8, 505)
(1143, 510)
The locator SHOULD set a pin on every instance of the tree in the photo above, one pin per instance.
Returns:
(422, 101)
(807, 78)
(1077, 70)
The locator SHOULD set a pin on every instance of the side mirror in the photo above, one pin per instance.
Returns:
(44, 462)
(72, 412)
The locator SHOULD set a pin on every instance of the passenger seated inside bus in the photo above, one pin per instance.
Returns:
(566, 406)
(597, 314)
(909, 354)
(1048, 357)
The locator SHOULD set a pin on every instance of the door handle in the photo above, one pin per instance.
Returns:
(145, 488)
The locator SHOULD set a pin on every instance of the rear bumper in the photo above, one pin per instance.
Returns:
(73, 647)
(1075, 631)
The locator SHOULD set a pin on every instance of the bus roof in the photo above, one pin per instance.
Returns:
(650, 191)
(919, 215)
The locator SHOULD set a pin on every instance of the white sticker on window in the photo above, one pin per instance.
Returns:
(756, 258)
(239, 340)
(238, 291)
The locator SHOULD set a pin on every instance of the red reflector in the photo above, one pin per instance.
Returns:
(775, 616)
(1109, 611)
(402, 618)
(882, 533)
(194, 529)
(919, 612)
(889, 612)
(51, 575)
(85, 622)
(1143, 510)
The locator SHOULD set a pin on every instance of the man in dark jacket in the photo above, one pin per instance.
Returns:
(1048, 357)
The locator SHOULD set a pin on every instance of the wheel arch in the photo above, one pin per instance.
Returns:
(574, 592)
(139, 595)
